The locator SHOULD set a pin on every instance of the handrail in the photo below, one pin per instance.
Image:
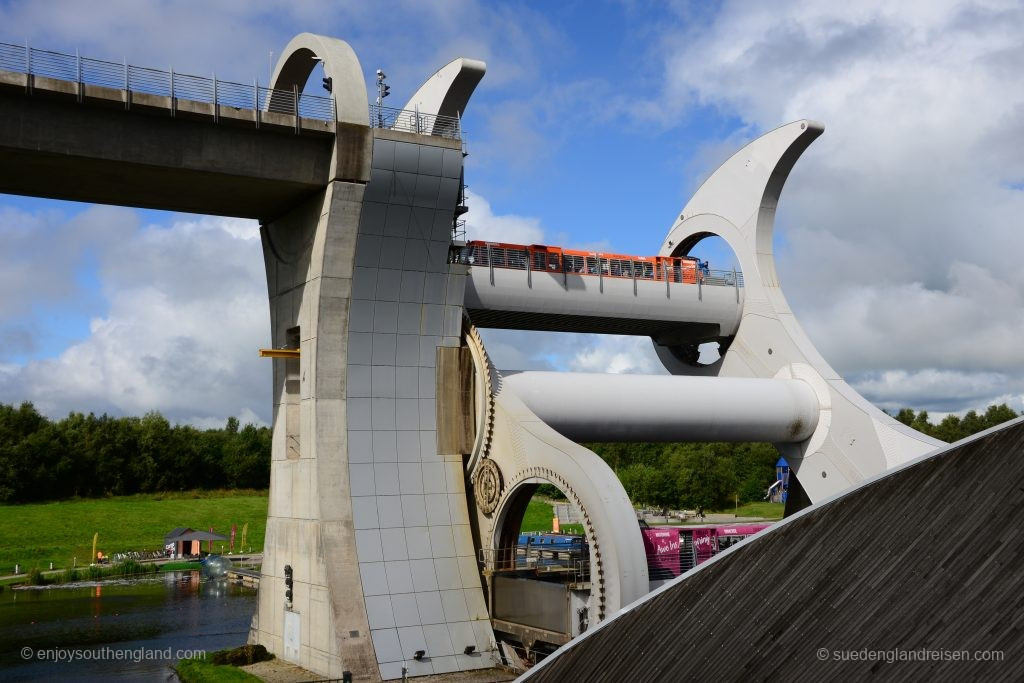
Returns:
(414, 121)
(149, 81)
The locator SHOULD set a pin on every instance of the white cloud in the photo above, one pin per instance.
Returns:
(186, 312)
(483, 224)
(940, 391)
(900, 238)
(618, 355)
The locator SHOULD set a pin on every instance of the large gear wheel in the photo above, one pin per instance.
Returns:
(486, 377)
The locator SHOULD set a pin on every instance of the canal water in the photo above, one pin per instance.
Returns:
(119, 631)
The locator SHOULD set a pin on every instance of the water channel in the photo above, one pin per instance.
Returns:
(109, 625)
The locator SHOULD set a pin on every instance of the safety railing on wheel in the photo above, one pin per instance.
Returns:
(414, 121)
(149, 81)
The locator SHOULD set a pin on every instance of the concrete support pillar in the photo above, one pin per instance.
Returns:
(309, 255)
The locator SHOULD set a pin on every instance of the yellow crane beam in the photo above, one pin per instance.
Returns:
(279, 353)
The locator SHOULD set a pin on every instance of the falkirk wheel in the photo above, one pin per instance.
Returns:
(403, 460)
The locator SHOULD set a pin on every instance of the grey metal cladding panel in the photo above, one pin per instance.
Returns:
(421, 223)
(434, 285)
(456, 292)
(412, 283)
(447, 193)
(385, 316)
(899, 563)
(451, 164)
(397, 222)
(452, 321)
(360, 447)
(360, 348)
(389, 283)
(428, 413)
(442, 228)
(407, 382)
(407, 157)
(379, 187)
(358, 382)
(358, 411)
(409, 318)
(368, 250)
(433, 320)
(383, 154)
(385, 446)
(428, 350)
(392, 252)
(408, 445)
(360, 316)
(415, 255)
(383, 381)
(427, 191)
(382, 413)
(437, 256)
(407, 414)
(408, 352)
(428, 383)
(431, 160)
(371, 219)
(364, 283)
(404, 189)
(384, 348)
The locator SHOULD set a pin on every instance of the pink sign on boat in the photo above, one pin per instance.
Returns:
(704, 544)
(662, 549)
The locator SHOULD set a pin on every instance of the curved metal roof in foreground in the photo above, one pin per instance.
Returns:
(902, 577)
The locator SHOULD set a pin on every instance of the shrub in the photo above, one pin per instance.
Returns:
(36, 578)
(242, 656)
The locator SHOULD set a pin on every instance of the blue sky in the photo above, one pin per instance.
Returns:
(898, 235)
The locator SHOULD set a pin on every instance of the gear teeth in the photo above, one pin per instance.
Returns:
(491, 379)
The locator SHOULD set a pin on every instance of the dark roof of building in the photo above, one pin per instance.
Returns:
(178, 531)
(921, 561)
(191, 535)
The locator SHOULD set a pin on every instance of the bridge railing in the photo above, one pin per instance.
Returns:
(412, 121)
(178, 86)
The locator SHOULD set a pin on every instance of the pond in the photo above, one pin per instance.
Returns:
(119, 630)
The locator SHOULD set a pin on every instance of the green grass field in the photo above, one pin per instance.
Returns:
(203, 671)
(37, 534)
(539, 515)
(759, 509)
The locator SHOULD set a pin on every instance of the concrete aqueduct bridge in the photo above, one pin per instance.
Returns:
(402, 460)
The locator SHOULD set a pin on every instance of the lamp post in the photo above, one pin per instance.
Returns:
(383, 90)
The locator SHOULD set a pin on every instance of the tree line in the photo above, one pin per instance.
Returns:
(691, 475)
(89, 456)
(952, 428)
